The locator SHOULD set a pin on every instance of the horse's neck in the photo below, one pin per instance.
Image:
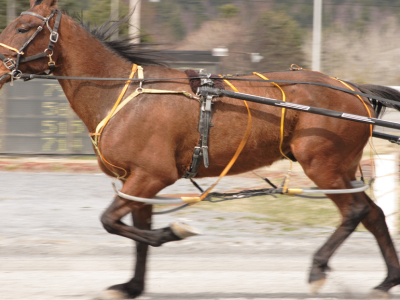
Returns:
(82, 55)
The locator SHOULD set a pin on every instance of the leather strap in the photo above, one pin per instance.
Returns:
(13, 65)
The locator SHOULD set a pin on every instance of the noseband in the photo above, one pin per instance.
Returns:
(13, 64)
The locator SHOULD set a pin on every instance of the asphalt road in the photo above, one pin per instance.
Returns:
(52, 246)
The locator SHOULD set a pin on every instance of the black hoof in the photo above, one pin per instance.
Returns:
(318, 273)
(317, 277)
(162, 236)
(378, 294)
(388, 283)
(129, 290)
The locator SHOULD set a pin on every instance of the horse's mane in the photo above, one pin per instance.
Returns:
(138, 53)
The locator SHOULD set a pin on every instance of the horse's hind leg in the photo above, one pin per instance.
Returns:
(375, 223)
(332, 165)
(353, 209)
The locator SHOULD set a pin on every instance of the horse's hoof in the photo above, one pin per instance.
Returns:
(378, 294)
(315, 286)
(183, 230)
(112, 295)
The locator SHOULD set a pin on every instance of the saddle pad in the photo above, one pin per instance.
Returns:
(195, 82)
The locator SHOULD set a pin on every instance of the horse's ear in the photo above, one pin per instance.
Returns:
(45, 2)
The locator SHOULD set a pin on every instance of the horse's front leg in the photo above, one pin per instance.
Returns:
(134, 287)
(111, 220)
(146, 187)
(144, 184)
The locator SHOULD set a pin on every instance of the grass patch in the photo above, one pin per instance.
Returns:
(256, 219)
(83, 157)
(290, 228)
(57, 168)
(284, 209)
(11, 167)
(212, 227)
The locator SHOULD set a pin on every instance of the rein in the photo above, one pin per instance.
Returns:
(15, 73)
(13, 64)
(34, 76)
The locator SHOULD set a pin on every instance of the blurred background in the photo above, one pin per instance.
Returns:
(359, 37)
(53, 190)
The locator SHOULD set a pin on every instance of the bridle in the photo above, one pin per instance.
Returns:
(13, 64)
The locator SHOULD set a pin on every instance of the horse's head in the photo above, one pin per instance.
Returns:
(26, 44)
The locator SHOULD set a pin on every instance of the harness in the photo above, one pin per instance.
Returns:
(13, 64)
(201, 150)
(96, 136)
(207, 94)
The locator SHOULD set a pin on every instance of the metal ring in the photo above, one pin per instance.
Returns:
(139, 90)
(45, 51)
(16, 74)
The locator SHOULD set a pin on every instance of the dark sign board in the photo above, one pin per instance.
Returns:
(35, 118)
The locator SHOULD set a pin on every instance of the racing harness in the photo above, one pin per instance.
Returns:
(207, 94)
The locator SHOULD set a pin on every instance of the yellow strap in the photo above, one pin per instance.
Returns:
(237, 153)
(11, 48)
(370, 127)
(100, 130)
(283, 112)
(140, 72)
(362, 101)
(123, 103)
(154, 91)
(285, 186)
(119, 105)
(134, 95)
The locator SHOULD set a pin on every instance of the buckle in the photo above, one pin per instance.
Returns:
(10, 63)
(54, 36)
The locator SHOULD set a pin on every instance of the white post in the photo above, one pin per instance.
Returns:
(316, 46)
(11, 14)
(114, 15)
(385, 188)
(134, 28)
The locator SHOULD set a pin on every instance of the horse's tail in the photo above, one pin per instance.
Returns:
(380, 91)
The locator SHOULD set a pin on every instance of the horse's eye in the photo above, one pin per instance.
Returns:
(22, 30)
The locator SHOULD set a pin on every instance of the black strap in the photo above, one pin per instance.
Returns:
(36, 15)
(201, 150)
(34, 76)
(13, 65)
(53, 35)
(196, 161)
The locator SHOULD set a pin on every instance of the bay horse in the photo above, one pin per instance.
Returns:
(153, 136)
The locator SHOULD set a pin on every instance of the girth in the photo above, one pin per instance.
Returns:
(202, 79)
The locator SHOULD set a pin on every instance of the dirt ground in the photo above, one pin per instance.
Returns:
(52, 246)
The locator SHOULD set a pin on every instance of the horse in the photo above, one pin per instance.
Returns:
(153, 136)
